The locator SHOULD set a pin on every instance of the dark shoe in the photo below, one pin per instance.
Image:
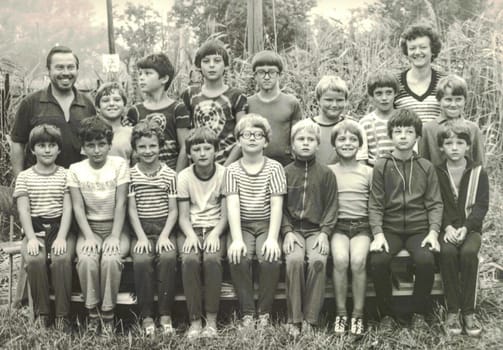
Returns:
(93, 325)
(472, 326)
(388, 324)
(64, 324)
(419, 322)
(340, 325)
(452, 325)
(357, 326)
(44, 321)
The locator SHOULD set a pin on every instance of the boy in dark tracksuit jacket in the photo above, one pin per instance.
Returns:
(405, 211)
(465, 191)
(309, 217)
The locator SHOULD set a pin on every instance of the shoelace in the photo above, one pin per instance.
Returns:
(357, 326)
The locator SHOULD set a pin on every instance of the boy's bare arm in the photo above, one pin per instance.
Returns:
(134, 220)
(220, 227)
(24, 210)
(171, 219)
(80, 213)
(66, 217)
(119, 210)
(270, 249)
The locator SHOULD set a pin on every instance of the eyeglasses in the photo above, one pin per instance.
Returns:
(258, 135)
(262, 73)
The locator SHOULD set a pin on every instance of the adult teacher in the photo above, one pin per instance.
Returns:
(418, 84)
(60, 104)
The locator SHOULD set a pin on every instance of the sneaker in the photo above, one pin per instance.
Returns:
(263, 321)
(340, 325)
(388, 324)
(357, 327)
(472, 326)
(148, 326)
(193, 332)
(209, 332)
(107, 328)
(93, 325)
(418, 322)
(63, 324)
(292, 329)
(452, 325)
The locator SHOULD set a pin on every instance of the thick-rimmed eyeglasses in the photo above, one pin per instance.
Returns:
(262, 73)
(258, 135)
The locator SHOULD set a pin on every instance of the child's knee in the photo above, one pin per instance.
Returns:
(144, 259)
(341, 262)
(190, 260)
(212, 259)
(379, 260)
(294, 260)
(424, 259)
(35, 260)
(61, 259)
(358, 263)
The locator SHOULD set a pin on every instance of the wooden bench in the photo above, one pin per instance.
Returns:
(402, 281)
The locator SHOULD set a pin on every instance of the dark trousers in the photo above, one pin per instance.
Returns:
(424, 267)
(458, 266)
(153, 270)
(45, 265)
(254, 236)
(211, 272)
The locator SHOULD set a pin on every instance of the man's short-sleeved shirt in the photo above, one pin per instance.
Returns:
(44, 191)
(255, 190)
(170, 118)
(98, 186)
(152, 193)
(218, 113)
(204, 195)
(41, 107)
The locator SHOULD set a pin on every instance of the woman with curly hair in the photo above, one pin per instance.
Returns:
(418, 84)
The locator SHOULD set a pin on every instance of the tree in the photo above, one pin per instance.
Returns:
(228, 18)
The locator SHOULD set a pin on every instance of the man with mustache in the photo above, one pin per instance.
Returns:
(60, 104)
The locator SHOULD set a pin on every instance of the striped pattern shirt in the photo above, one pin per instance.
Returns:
(255, 190)
(426, 106)
(99, 186)
(152, 193)
(204, 196)
(45, 191)
(376, 137)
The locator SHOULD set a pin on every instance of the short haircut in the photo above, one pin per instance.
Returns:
(95, 128)
(253, 120)
(161, 64)
(267, 58)
(455, 128)
(417, 31)
(382, 79)
(404, 118)
(147, 128)
(106, 90)
(346, 125)
(454, 82)
(45, 133)
(212, 47)
(60, 49)
(201, 135)
(308, 125)
(331, 82)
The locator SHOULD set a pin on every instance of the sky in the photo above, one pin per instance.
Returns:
(338, 9)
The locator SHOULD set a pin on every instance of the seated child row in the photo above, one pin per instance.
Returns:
(303, 211)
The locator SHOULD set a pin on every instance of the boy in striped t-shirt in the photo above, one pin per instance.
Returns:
(45, 212)
(98, 187)
(382, 88)
(254, 187)
(153, 213)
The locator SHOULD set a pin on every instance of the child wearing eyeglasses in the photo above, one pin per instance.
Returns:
(280, 109)
(254, 187)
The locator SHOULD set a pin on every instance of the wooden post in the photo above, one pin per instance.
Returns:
(255, 27)
(110, 22)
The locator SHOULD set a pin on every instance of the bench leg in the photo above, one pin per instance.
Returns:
(10, 280)
(22, 279)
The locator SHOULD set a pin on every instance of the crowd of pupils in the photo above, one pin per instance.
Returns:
(219, 175)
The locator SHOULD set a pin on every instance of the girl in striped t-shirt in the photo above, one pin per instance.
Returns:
(254, 189)
(45, 212)
(153, 213)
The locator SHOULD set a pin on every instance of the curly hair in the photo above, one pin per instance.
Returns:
(420, 30)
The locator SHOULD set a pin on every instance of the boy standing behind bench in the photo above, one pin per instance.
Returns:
(254, 187)
(405, 211)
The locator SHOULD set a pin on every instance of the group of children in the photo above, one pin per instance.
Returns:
(220, 175)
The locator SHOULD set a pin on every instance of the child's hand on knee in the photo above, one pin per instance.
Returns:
(90, 245)
(142, 246)
(236, 250)
(212, 243)
(164, 243)
(270, 250)
(451, 235)
(59, 246)
(431, 240)
(191, 242)
(33, 246)
(290, 241)
(322, 244)
(111, 245)
(461, 234)
(379, 243)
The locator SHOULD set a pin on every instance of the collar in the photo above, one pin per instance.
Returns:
(47, 97)
(302, 163)
(470, 164)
